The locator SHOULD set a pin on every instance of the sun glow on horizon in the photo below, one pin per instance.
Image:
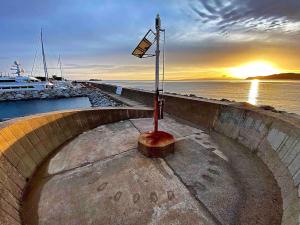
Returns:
(252, 69)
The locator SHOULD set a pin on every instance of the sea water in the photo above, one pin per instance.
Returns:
(283, 95)
(12, 109)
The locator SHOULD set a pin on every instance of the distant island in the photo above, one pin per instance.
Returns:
(95, 80)
(281, 76)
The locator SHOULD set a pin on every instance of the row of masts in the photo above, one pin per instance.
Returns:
(44, 58)
(45, 62)
(18, 70)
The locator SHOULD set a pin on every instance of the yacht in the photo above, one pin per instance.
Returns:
(22, 82)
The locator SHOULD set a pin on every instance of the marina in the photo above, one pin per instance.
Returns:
(22, 82)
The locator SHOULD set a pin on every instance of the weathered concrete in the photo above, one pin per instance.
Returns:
(209, 178)
(262, 194)
(117, 185)
(222, 174)
(274, 139)
(25, 143)
(156, 144)
(126, 189)
(273, 136)
(102, 142)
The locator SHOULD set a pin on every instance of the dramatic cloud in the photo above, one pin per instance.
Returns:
(250, 15)
(95, 38)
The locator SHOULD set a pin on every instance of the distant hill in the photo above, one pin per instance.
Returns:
(281, 76)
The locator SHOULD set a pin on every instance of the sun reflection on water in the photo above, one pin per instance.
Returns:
(253, 92)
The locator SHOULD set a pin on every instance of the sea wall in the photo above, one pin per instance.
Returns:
(25, 143)
(274, 137)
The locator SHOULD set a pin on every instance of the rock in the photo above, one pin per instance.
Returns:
(267, 107)
(96, 97)
(224, 100)
(19, 96)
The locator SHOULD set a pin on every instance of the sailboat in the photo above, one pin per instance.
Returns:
(56, 77)
(23, 82)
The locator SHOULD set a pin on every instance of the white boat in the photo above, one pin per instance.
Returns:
(22, 82)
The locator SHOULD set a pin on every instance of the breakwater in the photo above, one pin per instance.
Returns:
(96, 97)
(271, 135)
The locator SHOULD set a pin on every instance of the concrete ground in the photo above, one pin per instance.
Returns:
(101, 178)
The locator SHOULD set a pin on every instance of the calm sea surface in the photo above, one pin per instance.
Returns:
(283, 95)
(13, 109)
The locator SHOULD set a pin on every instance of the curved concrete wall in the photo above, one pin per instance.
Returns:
(274, 137)
(276, 141)
(26, 142)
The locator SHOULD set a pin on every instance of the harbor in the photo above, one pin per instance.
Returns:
(173, 113)
(74, 166)
(72, 96)
(223, 152)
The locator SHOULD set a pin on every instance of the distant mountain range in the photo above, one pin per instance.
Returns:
(281, 76)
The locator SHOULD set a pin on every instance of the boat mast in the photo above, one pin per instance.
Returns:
(60, 67)
(44, 58)
(33, 63)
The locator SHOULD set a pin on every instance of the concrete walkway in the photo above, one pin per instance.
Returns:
(100, 178)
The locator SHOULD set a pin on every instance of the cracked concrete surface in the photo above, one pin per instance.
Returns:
(100, 178)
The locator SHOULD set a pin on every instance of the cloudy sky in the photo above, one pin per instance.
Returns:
(205, 38)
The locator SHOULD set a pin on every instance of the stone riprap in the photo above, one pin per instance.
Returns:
(96, 97)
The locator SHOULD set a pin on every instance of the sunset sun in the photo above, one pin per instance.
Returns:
(256, 68)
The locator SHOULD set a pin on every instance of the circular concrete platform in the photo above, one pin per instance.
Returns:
(101, 178)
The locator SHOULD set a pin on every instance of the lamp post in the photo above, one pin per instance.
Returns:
(157, 53)
(154, 143)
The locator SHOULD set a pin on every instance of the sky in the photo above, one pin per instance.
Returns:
(205, 39)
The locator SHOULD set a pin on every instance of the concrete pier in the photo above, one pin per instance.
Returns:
(233, 164)
(101, 178)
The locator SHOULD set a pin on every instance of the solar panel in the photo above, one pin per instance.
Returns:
(144, 45)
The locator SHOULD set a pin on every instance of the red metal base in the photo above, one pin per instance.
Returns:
(156, 144)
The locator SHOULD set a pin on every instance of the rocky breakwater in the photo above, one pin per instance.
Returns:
(96, 97)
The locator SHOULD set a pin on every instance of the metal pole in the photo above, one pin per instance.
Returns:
(157, 52)
(60, 67)
(44, 57)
